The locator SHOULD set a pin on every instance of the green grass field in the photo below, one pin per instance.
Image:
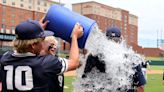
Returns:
(154, 83)
(155, 67)
(68, 82)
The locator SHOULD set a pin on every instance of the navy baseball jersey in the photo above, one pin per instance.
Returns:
(138, 78)
(95, 61)
(30, 73)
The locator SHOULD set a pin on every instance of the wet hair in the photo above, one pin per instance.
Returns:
(51, 39)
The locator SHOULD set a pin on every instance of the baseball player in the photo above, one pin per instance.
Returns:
(25, 70)
(114, 34)
(50, 47)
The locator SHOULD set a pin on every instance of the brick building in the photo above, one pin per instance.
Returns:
(107, 16)
(148, 52)
(12, 12)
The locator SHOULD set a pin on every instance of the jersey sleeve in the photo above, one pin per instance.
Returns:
(55, 65)
(64, 64)
(139, 78)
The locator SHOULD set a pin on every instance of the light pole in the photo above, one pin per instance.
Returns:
(157, 39)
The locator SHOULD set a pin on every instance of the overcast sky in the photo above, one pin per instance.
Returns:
(150, 17)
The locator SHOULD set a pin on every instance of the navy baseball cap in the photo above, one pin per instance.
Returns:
(31, 29)
(113, 32)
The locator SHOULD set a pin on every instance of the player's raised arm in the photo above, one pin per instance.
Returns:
(73, 61)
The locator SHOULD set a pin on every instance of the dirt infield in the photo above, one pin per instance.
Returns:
(70, 73)
(73, 73)
(155, 71)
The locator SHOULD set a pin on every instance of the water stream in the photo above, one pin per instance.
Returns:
(120, 61)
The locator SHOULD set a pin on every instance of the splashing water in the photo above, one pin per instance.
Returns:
(119, 60)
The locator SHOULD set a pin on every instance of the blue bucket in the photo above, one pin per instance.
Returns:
(62, 21)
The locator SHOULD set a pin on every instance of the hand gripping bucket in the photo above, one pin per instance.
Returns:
(62, 21)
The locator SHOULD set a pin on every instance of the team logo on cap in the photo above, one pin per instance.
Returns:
(113, 34)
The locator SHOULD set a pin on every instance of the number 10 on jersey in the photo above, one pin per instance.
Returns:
(15, 76)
